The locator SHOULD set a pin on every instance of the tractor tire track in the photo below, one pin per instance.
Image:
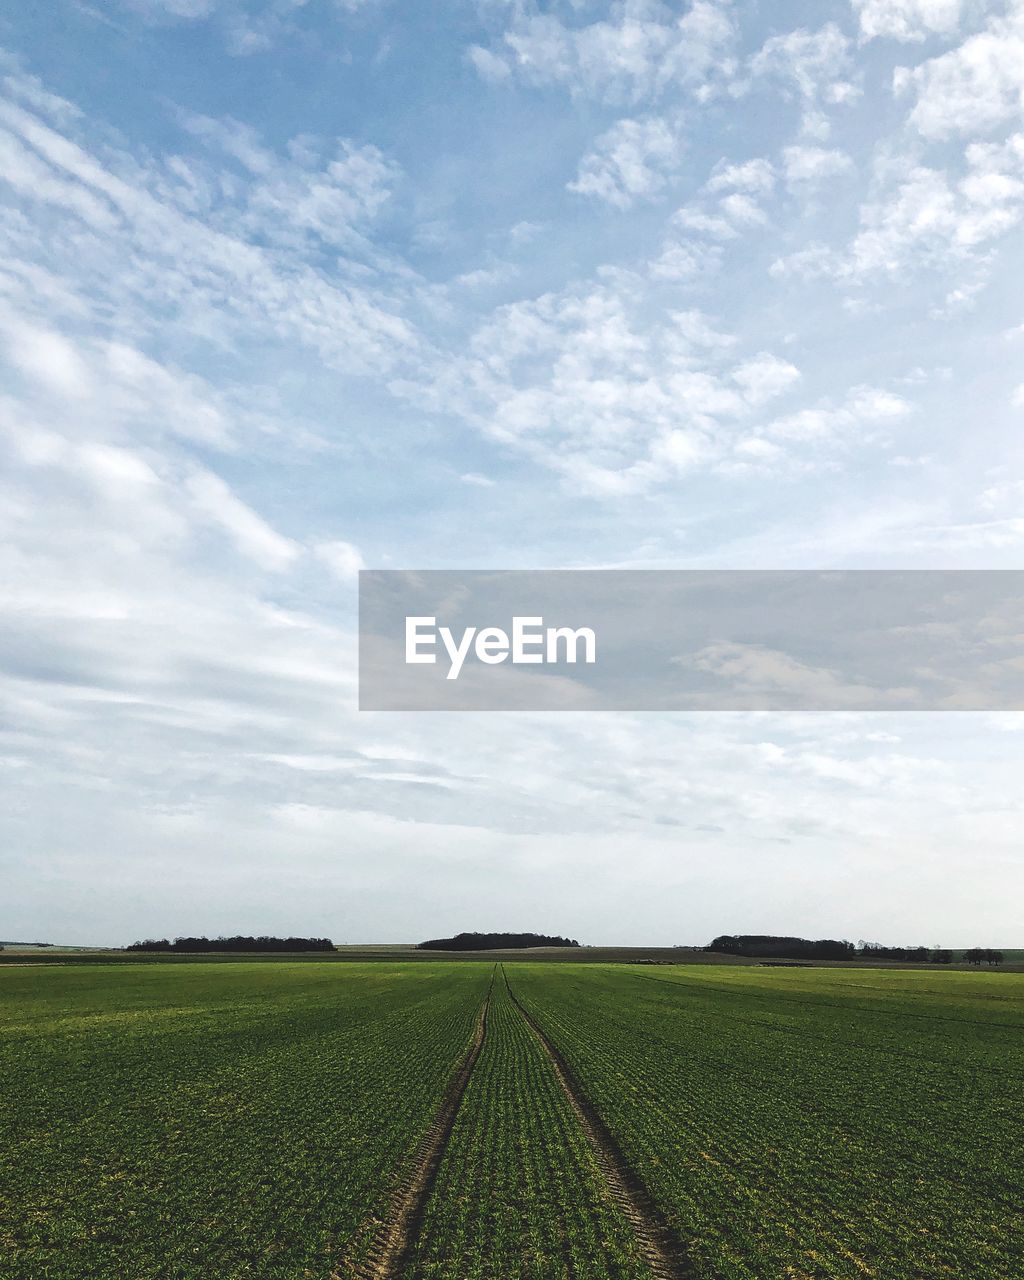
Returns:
(658, 1243)
(394, 1236)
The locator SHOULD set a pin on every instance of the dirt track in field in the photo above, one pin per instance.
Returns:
(658, 1244)
(393, 1237)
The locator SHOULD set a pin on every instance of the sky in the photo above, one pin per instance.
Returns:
(289, 288)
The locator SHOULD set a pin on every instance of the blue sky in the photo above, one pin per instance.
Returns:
(291, 288)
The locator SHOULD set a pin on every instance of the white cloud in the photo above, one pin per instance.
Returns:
(809, 166)
(114, 466)
(524, 232)
(817, 438)
(683, 260)
(973, 88)
(864, 406)
(927, 215)
(930, 220)
(756, 177)
(729, 206)
(919, 215)
(586, 384)
(765, 377)
(135, 235)
(232, 137)
(810, 439)
(714, 225)
(691, 332)
(813, 65)
(350, 188)
(486, 277)
(908, 19)
(641, 50)
(741, 210)
(327, 192)
(251, 534)
(1009, 493)
(342, 558)
(50, 359)
(631, 162)
(111, 388)
(489, 65)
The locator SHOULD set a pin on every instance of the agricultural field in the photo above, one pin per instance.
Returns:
(519, 1192)
(213, 1121)
(480, 1120)
(810, 1122)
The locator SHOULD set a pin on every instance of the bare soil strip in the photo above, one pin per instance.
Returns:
(394, 1236)
(658, 1243)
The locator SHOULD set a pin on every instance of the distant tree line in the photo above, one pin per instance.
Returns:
(239, 942)
(915, 955)
(494, 941)
(768, 946)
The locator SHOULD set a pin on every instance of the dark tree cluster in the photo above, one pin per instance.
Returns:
(766, 946)
(239, 942)
(912, 955)
(494, 941)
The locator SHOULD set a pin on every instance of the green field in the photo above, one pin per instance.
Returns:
(467, 1121)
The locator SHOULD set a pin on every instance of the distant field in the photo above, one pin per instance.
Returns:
(382, 952)
(19, 953)
(432, 1120)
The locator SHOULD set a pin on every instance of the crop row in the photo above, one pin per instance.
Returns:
(518, 1194)
(788, 1131)
(201, 1121)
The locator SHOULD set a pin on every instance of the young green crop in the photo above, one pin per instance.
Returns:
(201, 1121)
(249, 1120)
(810, 1123)
(518, 1195)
